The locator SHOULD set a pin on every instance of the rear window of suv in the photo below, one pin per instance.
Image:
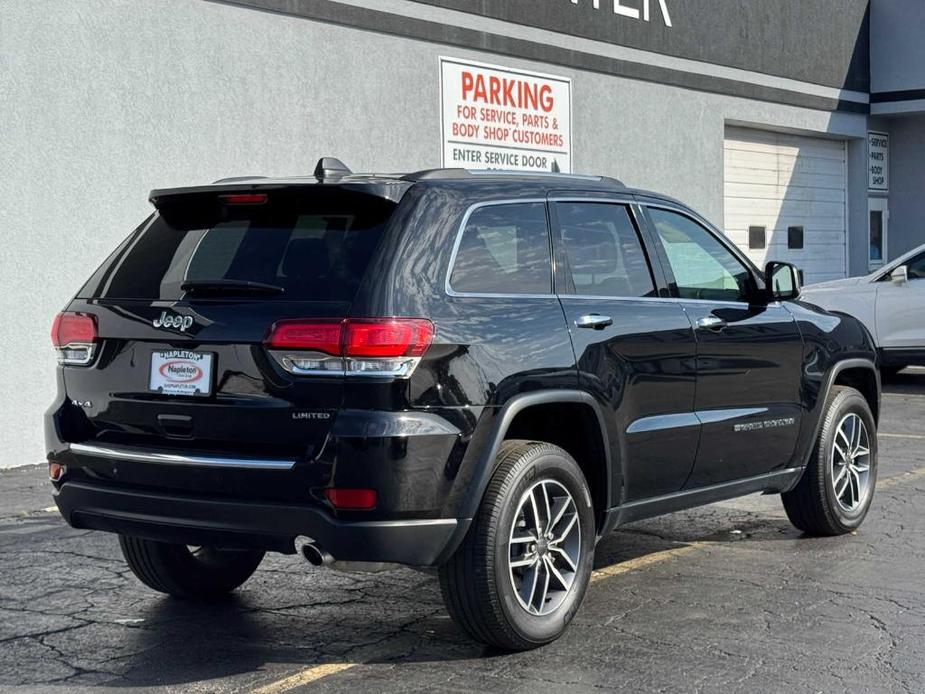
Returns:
(310, 245)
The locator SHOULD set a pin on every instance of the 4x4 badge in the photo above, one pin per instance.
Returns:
(165, 321)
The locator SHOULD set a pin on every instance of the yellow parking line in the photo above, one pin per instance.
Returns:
(901, 436)
(304, 677)
(313, 674)
(644, 561)
(910, 476)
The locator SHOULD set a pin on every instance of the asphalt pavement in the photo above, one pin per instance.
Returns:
(729, 597)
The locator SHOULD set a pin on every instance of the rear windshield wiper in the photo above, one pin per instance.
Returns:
(230, 287)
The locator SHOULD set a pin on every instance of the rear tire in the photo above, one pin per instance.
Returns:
(518, 579)
(177, 570)
(837, 487)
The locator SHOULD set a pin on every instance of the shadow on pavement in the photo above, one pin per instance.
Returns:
(291, 617)
(908, 382)
(396, 617)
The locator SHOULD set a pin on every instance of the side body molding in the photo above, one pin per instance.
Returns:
(779, 481)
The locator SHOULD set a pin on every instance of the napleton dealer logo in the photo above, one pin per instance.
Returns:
(181, 371)
(632, 8)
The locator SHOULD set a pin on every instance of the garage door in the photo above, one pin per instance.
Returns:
(785, 200)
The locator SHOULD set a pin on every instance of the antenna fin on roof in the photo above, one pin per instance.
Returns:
(555, 167)
(331, 168)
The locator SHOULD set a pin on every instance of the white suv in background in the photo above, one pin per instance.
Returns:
(890, 302)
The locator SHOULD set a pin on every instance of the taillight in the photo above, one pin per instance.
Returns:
(314, 336)
(391, 338)
(364, 347)
(352, 499)
(74, 337)
(56, 471)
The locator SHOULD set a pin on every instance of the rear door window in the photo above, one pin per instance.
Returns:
(504, 249)
(310, 245)
(604, 253)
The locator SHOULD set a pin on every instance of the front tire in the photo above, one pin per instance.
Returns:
(522, 571)
(837, 487)
(195, 573)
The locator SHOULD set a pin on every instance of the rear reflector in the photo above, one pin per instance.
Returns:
(73, 328)
(352, 499)
(56, 471)
(244, 199)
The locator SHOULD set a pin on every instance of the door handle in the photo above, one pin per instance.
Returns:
(714, 323)
(594, 321)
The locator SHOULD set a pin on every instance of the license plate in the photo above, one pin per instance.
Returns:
(178, 372)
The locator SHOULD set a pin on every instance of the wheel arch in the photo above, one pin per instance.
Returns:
(580, 430)
(859, 373)
(865, 379)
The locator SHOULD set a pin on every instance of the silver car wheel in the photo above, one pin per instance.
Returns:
(544, 549)
(851, 463)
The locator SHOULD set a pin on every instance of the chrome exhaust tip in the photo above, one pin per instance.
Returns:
(313, 554)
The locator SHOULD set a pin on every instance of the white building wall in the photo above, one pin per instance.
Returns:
(102, 100)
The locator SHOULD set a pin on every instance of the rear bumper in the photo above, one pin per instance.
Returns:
(235, 524)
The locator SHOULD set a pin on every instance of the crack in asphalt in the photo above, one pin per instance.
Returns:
(755, 604)
(360, 590)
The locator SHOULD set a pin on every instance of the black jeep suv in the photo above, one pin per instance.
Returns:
(481, 372)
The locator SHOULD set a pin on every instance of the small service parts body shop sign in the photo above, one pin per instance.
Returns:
(500, 118)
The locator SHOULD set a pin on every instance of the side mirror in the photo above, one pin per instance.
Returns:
(782, 280)
(900, 275)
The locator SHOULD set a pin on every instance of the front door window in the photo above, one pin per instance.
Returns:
(703, 268)
(916, 267)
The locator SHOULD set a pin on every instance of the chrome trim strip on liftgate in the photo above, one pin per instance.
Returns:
(120, 453)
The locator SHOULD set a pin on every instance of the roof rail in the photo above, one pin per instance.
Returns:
(434, 174)
(539, 174)
(443, 174)
(237, 179)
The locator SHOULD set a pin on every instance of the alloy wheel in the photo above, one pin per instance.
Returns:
(544, 549)
(851, 463)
